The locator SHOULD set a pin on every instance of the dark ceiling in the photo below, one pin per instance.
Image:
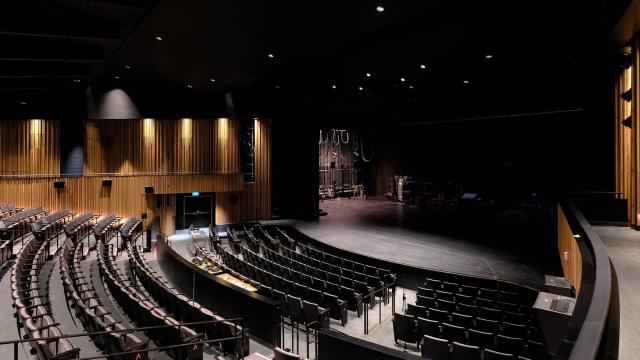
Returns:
(480, 58)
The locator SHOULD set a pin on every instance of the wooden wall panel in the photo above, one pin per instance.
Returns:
(29, 147)
(161, 146)
(569, 252)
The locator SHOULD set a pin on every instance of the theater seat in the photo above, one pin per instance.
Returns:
(454, 333)
(404, 328)
(464, 352)
(435, 348)
(496, 355)
(481, 339)
(280, 354)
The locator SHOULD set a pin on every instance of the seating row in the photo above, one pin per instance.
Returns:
(433, 285)
(523, 316)
(105, 226)
(7, 210)
(14, 227)
(412, 329)
(144, 312)
(186, 309)
(89, 310)
(77, 222)
(32, 308)
(278, 289)
(440, 349)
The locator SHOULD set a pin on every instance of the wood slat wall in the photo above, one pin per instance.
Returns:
(161, 146)
(569, 252)
(29, 147)
(254, 202)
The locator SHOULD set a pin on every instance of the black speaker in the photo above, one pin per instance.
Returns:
(627, 122)
(233, 199)
(148, 189)
(106, 182)
(58, 184)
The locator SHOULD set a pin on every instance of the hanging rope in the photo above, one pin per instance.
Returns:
(323, 141)
(362, 149)
(344, 132)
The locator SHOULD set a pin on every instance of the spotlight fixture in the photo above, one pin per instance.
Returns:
(158, 37)
(128, 67)
(403, 79)
(488, 56)
(190, 86)
(23, 103)
(368, 74)
(379, 8)
(627, 122)
(333, 86)
(360, 88)
(627, 95)
(423, 66)
(117, 77)
(410, 86)
(277, 86)
(270, 55)
(466, 82)
(212, 80)
(76, 80)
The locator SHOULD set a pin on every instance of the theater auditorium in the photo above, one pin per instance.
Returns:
(372, 179)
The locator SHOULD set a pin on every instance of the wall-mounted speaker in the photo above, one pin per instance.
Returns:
(58, 184)
(148, 189)
(106, 182)
(627, 122)
(233, 199)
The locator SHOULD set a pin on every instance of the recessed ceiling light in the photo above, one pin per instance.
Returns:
(158, 37)
(488, 56)
(379, 8)
(423, 66)
(360, 88)
(277, 86)
(128, 67)
(466, 82)
(403, 79)
(270, 55)
(190, 86)
(212, 80)
(333, 86)
(368, 74)
(23, 103)
(76, 80)
(117, 77)
(410, 86)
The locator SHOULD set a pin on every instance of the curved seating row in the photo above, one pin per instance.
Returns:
(316, 304)
(32, 309)
(130, 227)
(105, 226)
(78, 223)
(17, 225)
(185, 308)
(88, 308)
(336, 297)
(51, 224)
(144, 312)
(7, 210)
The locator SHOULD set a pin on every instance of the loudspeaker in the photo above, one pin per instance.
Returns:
(627, 122)
(148, 189)
(58, 184)
(233, 199)
(106, 182)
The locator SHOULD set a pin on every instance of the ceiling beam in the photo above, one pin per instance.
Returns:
(60, 36)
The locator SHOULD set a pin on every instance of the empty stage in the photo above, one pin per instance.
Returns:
(397, 233)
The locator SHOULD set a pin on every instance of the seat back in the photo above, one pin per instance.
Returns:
(481, 339)
(280, 354)
(454, 333)
(435, 348)
(464, 352)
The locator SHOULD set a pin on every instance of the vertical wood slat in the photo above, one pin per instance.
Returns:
(29, 147)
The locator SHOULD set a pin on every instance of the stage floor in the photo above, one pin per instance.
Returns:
(394, 232)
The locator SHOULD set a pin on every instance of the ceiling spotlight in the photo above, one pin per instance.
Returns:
(212, 80)
(158, 37)
(410, 86)
(190, 86)
(423, 66)
(270, 56)
(117, 77)
(403, 79)
(488, 56)
(368, 74)
(360, 88)
(128, 67)
(379, 8)
(76, 80)
(23, 103)
(277, 86)
(333, 86)
(466, 82)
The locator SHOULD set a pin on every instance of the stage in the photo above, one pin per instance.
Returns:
(394, 232)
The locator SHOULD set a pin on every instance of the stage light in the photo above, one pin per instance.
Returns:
(190, 86)
(23, 103)
(423, 66)
(368, 74)
(270, 55)
(158, 37)
(410, 86)
(466, 82)
(488, 56)
(117, 77)
(212, 80)
(627, 95)
(76, 80)
(128, 67)
(360, 88)
(195, 193)
(379, 8)
(333, 86)
(402, 79)
(627, 122)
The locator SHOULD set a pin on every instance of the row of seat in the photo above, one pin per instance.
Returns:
(423, 304)
(440, 349)
(105, 226)
(78, 222)
(299, 272)
(130, 227)
(144, 312)
(433, 285)
(7, 210)
(16, 226)
(186, 309)
(89, 310)
(32, 308)
(51, 224)
(479, 287)
(278, 289)
(290, 282)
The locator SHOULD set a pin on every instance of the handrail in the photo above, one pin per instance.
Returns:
(587, 325)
